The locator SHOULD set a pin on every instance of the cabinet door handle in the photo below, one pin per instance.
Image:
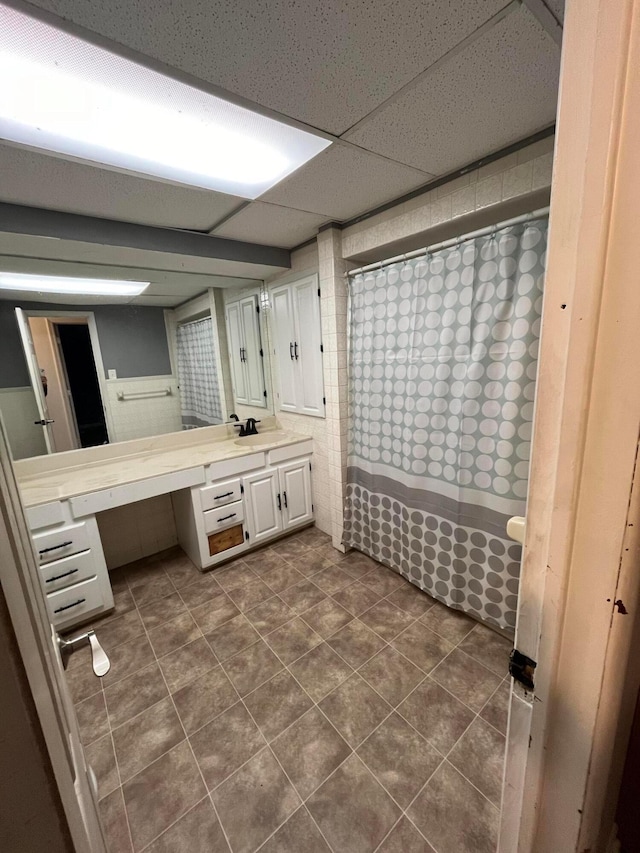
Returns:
(279, 502)
(219, 497)
(55, 547)
(291, 351)
(295, 349)
(63, 575)
(226, 517)
(69, 606)
(286, 505)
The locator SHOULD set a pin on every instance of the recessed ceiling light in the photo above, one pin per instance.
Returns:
(71, 98)
(63, 284)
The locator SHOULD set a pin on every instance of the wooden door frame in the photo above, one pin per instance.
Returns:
(561, 783)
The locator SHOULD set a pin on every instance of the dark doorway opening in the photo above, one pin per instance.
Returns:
(75, 345)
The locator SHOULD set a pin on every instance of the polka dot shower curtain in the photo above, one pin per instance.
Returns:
(198, 375)
(443, 358)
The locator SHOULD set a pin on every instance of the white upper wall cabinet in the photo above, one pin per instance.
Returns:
(245, 351)
(297, 341)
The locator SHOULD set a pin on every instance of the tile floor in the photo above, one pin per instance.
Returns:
(296, 700)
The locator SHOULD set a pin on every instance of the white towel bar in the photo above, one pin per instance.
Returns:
(144, 395)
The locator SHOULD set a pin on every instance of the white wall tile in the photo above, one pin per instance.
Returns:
(517, 181)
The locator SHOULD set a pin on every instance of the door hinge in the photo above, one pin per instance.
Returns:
(265, 393)
(311, 507)
(309, 465)
(258, 308)
(318, 291)
(521, 668)
(246, 535)
(261, 354)
(324, 401)
(241, 489)
(321, 347)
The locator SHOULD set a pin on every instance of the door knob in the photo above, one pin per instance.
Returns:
(99, 660)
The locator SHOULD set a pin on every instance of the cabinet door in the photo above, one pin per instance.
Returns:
(284, 339)
(295, 486)
(236, 360)
(308, 342)
(252, 352)
(263, 502)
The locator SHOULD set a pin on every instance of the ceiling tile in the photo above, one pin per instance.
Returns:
(557, 7)
(344, 181)
(500, 89)
(271, 225)
(40, 180)
(324, 62)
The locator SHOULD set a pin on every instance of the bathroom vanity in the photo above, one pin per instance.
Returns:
(229, 495)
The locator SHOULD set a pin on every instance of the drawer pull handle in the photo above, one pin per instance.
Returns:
(55, 547)
(225, 495)
(286, 505)
(226, 517)
(69, 606)
(59, 577)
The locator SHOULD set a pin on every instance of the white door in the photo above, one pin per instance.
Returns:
(37, 642)
(43, 424)
(308, 346)
(252, 352)
(295, 488)
(236, 353)
(264, 505)
(285, 347)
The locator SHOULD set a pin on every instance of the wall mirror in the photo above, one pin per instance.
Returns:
(77, 374)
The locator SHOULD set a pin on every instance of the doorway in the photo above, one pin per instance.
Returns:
(79, 366)
(65, 365)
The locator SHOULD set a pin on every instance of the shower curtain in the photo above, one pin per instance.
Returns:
(442, 370)
(198, 375)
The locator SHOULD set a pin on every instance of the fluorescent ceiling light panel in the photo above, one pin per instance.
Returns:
(71, 98)
(63, 284)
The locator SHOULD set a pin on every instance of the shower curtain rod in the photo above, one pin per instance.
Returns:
(436, 247)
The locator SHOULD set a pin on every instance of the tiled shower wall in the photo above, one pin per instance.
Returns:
(146, 416)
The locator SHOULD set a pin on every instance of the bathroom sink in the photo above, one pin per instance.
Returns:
(261, 439)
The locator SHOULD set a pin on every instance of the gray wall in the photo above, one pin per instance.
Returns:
(133, 340)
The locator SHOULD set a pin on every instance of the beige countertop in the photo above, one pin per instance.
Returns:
(169, 455)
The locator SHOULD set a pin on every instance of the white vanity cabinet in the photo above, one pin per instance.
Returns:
(73, 571)
(278, 499)
(295, 312)
(246, 502)
(245, 351)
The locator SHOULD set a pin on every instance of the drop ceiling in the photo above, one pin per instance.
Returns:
(408, 91)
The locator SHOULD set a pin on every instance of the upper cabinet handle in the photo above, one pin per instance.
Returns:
(295, 347)
(291, 351)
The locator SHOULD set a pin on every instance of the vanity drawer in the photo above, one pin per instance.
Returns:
(223, 516)
(68, 571)
(61, 542)
(72, 603)
(220, 494)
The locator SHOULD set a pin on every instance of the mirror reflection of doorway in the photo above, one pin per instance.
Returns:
(65, 357)
(84, 391)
